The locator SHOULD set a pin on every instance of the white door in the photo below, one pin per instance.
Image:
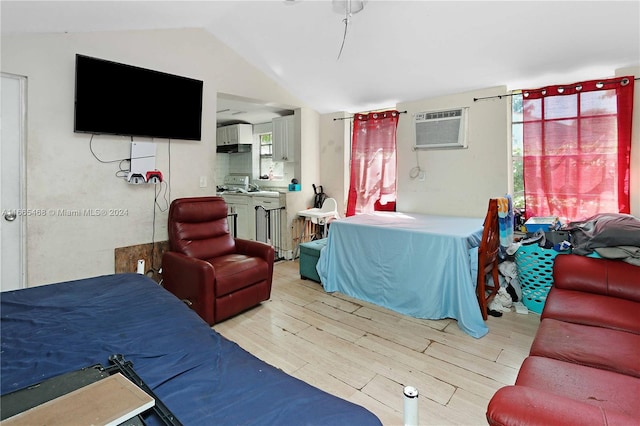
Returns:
(12, 122)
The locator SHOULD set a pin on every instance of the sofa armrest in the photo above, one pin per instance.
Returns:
(256, 249)
(521, 405)
(190, 280)
(613, 278)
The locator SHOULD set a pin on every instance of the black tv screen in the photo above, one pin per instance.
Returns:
(119, 99)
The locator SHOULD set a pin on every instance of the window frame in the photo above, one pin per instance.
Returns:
(273, 170)
(516, 143)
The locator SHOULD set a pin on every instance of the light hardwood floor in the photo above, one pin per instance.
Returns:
(367, 354)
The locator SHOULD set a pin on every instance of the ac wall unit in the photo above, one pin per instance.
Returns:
(441, 129)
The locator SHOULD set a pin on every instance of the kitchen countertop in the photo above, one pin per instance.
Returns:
(256, 193)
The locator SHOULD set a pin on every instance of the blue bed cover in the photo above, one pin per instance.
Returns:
(203, 378)
(424, 266)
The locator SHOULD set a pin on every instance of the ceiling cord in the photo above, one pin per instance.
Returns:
(349, 10)
(344, 36)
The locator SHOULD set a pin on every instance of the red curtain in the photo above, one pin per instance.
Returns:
(577, 145)
(373, 162)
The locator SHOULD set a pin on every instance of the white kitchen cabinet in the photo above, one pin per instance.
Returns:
(221, 136)
(283, 138)
(235, 134)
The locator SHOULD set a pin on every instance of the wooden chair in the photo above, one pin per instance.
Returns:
(488, 258)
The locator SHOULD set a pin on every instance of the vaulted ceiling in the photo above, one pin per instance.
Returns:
(394, 51)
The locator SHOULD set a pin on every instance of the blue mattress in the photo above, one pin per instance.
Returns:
(203, 378)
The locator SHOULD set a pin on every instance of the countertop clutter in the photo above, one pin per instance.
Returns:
(239, 185)
(260, 193)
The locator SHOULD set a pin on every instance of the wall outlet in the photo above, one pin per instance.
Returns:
(140, 266)
(203, 181)
(422, 175)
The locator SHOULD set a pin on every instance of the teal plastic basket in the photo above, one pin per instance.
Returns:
(535, 273)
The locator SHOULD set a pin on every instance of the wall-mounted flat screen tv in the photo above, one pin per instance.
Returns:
(119, 99)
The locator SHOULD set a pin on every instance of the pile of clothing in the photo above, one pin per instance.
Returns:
(610, 235)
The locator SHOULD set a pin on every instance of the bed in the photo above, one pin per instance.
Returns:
(424, 266)
(199, 375)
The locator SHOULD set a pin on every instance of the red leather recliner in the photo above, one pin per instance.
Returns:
(217, 275)
(584, 364)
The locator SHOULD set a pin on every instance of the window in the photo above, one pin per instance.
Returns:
(373, 163)
(571, 146)
(517, 150)
(268, 168)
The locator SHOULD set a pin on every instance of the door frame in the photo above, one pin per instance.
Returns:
(22, 139)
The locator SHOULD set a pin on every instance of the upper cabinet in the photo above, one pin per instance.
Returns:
(235, 134)
(284, 138)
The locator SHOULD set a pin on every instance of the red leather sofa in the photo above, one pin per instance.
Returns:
(584, 364)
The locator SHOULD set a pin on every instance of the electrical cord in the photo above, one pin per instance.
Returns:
(416, 171)
(156, 191)
(113, 161)
(167, 197)
(122, 172)
(168, 179)
(101, 160)
(153, 232)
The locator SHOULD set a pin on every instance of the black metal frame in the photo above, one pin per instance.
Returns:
(235, 223)
(126, 368)
(31, 396)
(273, 228)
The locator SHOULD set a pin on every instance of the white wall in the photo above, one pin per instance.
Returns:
(62, 173)
(335, 134)
(457, 182)
(307, 166)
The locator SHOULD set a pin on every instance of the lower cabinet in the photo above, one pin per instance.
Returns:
(253, 227)
(270, 222)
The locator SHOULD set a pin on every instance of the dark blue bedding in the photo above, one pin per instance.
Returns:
(202, 377)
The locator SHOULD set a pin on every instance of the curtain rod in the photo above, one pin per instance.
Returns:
(514, 94)
(350, 118)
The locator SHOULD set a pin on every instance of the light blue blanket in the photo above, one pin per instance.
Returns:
(419, 265)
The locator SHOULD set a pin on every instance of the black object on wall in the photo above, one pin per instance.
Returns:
(119, 99)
